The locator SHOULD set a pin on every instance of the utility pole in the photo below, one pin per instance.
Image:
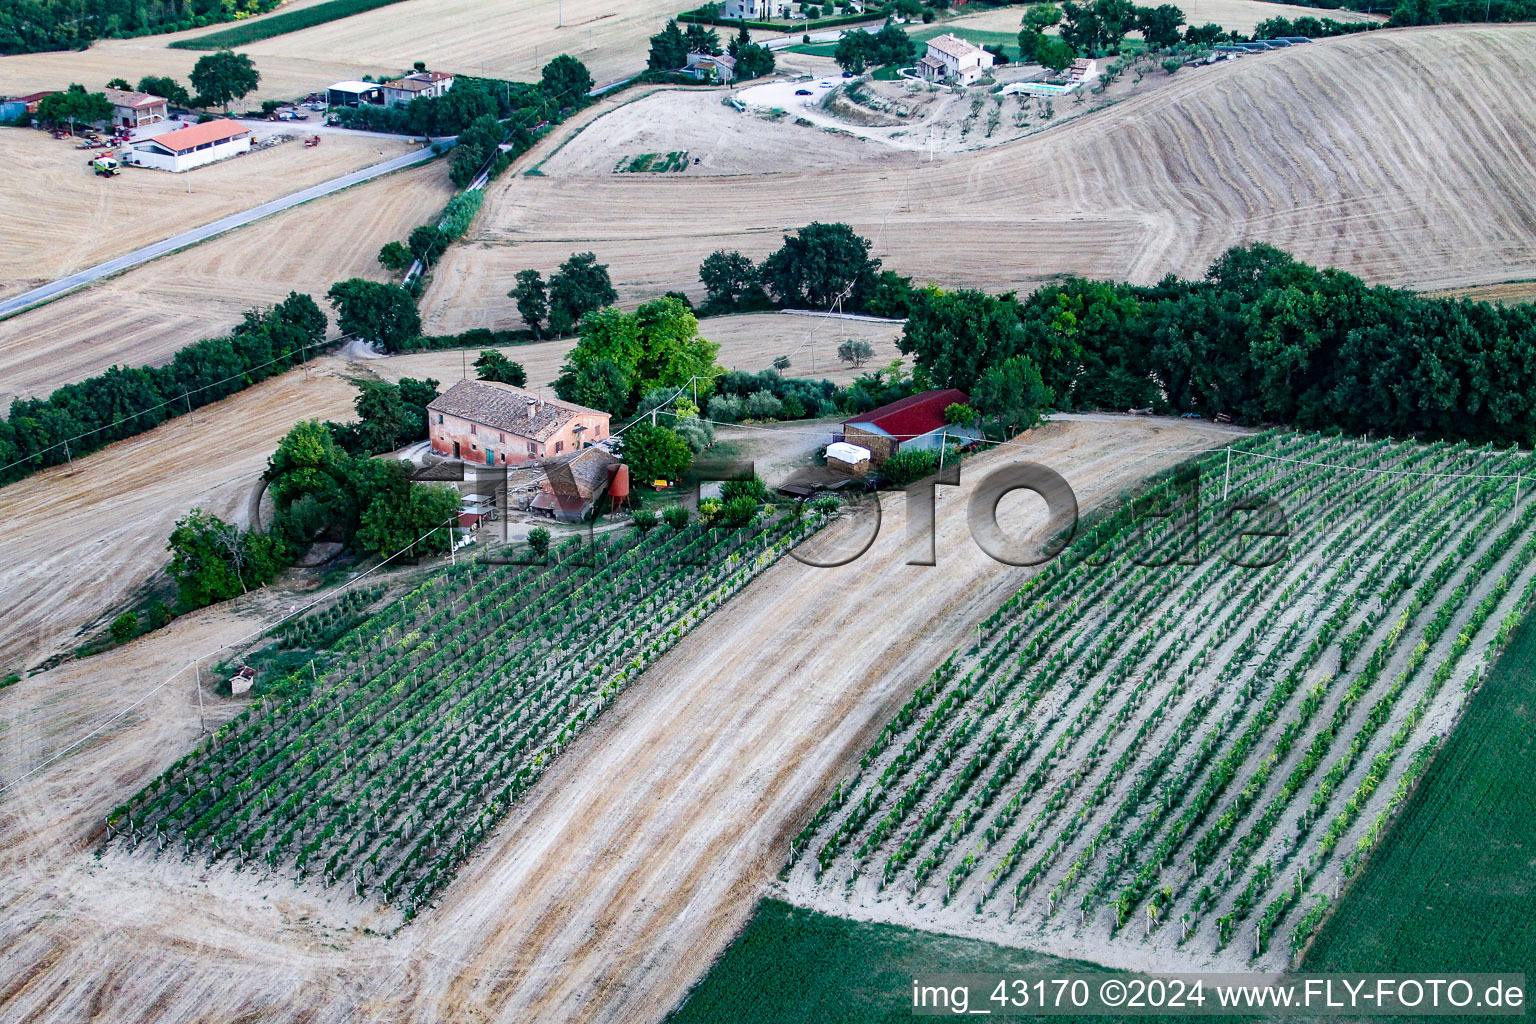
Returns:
(562, 15)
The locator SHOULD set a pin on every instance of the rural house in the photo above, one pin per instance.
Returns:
(400, 91)
(496, 424)
(755, 10)
(187, 148)
(913, 423)
(1084, 69)
(950, 58)
(131, 109)
(708, 67)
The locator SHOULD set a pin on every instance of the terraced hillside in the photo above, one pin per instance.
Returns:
(1179, 747)
(1319, 149)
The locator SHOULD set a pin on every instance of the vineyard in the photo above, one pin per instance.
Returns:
(1182, 738)
(383, 762)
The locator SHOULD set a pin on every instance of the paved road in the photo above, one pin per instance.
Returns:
(80, 279)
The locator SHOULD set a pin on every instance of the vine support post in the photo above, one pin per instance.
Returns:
(197, 684)
(1226, 482)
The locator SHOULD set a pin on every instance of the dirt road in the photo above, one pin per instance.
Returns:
(603, 897)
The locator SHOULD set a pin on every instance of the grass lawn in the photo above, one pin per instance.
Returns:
(1453, 887)
(247, 32)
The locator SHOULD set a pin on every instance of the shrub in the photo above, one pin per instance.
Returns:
(726, 408)
(738, 511)
(825, 505)
(643, 520)
(538, 540)
(125, 627)
(763, 405)
(709, 511)
(675, 517)
(754, 490)
(159, 614)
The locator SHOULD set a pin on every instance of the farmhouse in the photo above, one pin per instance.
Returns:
(950, 58)
(913, 423)
(755, 10)
(131, 109)
(421, 84)
(708, 67)
(1084, 69)
(354, 94)
(187, 148)
(573, 484)
(501, 425)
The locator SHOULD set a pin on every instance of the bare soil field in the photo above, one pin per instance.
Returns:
(61, 217)
(1506, 292)
(605, 894)
(146, 314)
(500, 39)
(1319, 149)
(698, 121)
(748, 342)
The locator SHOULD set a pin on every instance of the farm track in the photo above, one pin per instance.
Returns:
(1318, 149)
(1302, 751)
(605, 892)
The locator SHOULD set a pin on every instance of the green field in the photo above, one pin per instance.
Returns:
(1454, 886)
(1009, 41)
(279, 24)
(794, 965)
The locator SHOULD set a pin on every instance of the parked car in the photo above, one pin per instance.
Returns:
(802, 92)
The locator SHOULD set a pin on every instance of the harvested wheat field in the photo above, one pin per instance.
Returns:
(79, 539)
(500, 39)
(1507, 292)
(146, 314)
(1318, 149)
(62, 218)
(1232, 15)
(607, 891)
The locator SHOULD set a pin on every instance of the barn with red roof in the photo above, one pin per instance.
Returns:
(913, 423)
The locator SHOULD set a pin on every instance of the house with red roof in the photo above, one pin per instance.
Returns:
(911, 424)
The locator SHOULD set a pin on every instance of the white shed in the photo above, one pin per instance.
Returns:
(187, 148)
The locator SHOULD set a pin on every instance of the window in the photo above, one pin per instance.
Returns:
(503, 438)
(439, 417)
(474, 447)
(559, 447)
(533, 449)
(472, 429)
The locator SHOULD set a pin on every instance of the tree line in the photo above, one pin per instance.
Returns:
(1262, 338)
(124, 401)
(29, 26)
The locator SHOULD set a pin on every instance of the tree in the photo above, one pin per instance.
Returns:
(1012, 393)
(754, 61)
(579, 287)
(701, 39)
(395, 256)
(1205, 35)
(1040, 17)
(126, 626)
(427, 243)
(532, 299)
(74, 106)
(855, 352)
(781, 362)
(380, 314)
(212, 560)
(655, 453)
(566, 80)
(1160, 25)
(538, 541)
(221, 77)
(853, 52)
(1054, 54)
(727, 275)
(306, 463)
(622, 356)
(399, 515)
(121, 84)
(1172, 64)
(165, 87)
(819, 267)
(669, 49)
(383, 419)
(494, 366)
(959, 414)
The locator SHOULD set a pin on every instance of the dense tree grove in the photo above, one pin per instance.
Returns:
(383, 315)
(858, 50)
(623, 356)
(579, 287)
(124, 401)
(1261, 338)
(27, 26)
(212, 560)
(73, 107)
